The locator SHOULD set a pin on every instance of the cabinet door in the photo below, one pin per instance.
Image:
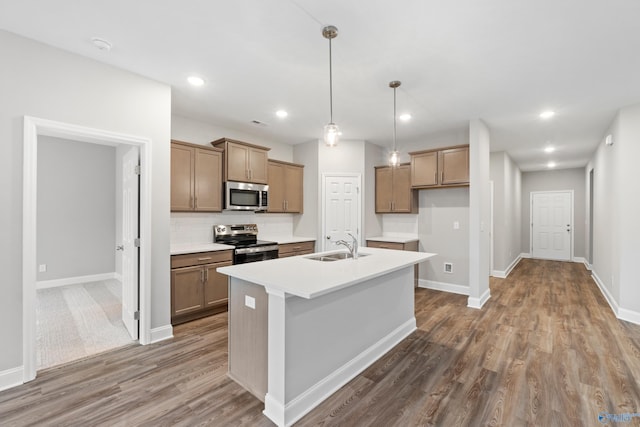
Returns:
(186, 290)
(237, 161)
(258, 170)
(216, 289)
(454, 166)
(293, 179)
(208, 181)
(276, 187)
(424, 169)
(384, 189)
(182, 185)
(402, 192)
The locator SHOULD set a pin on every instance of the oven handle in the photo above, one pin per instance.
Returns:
(256, 250)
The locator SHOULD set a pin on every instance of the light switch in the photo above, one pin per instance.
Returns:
(456, 225)
(250, 302)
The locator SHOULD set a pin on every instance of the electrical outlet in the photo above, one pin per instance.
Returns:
(250, 301)
(448, 267)
(42, 268)
(456, 225)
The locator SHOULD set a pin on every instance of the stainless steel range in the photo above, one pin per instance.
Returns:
(245, 238)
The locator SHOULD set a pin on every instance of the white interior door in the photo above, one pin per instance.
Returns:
(551, 225)
(130, 252)
(341, 213)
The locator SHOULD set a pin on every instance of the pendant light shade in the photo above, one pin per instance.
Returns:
(394, 156)
(331, 130)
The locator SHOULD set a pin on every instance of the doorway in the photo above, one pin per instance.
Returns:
(341, 208)
(552, 225)
(34, 128)
(591, 203)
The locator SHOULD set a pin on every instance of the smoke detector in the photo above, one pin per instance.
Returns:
(101, 44)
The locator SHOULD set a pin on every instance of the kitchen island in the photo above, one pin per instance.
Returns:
(299, 329)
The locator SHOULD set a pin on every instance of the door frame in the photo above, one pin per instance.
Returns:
(322, 225)
(573, 222)
(34, 127)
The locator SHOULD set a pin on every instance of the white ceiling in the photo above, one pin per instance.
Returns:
(502, 61)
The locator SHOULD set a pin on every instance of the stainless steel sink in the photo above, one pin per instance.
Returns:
(333, 257)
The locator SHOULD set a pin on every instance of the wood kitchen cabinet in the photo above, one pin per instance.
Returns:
(445, 167)
(243, 162)
(295, 249)
(196, 178)
(399, 246)
(285, 187)
(393, 190)
(197, 289)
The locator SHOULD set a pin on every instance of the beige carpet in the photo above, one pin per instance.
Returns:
(77, 321)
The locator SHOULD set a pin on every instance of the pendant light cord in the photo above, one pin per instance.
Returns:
(330, 86)
(394, 119)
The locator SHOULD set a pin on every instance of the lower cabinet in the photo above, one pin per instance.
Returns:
(197, 289)
(408, 246)
(294, 249)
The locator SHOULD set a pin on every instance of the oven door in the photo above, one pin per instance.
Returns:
(261, 253)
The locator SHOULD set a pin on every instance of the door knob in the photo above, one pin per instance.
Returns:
(328, 237)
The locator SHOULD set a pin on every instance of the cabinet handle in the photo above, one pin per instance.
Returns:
(442, 177)
(195, 202)
(206, 275)
(296, 248)
(202, 275)
(204, 259)
(191, 202)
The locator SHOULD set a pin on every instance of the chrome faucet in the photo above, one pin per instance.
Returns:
(353, 246)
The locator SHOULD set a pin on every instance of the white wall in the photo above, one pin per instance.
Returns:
(554, 180)
(198, 132)
(506, 177)
(76, 224)
(439, 209)
(479, 213)
(44, 82)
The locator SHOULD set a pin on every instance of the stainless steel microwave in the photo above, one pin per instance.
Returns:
(246, 196)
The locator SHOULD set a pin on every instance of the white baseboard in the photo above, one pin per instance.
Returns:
(629, 315)
(607, 295)
(442, 286)
(44, 284)
(525, 255)
(479, 302)
(503, 274)
(162, 333)
(11, 378)
(312, 397)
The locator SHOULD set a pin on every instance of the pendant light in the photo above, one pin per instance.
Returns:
(331, 131)
(394, 155)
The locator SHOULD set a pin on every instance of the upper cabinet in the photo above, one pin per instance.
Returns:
(196, 178)
(285, 187)
(243, 162)
(393, 190)
(445, 167)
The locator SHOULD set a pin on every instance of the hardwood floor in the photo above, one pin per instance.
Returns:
(546, 350)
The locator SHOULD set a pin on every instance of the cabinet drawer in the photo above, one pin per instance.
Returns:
(291, 249)
(385, 245)
(201, 258)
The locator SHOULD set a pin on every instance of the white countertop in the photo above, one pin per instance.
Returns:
(191, 248)
(282, 240)
(393, 239)
(307, 278)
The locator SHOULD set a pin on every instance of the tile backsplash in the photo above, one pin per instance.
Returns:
(197, 227)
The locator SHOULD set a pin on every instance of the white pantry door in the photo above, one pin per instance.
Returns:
(552, 225)
(341, 213)
(130, 252)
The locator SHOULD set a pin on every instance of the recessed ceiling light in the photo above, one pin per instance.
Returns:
(551, 164)
(195, 80)
(101, 44)
(282, 114)
(547, 114)
(405, 117)
(549, 149)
